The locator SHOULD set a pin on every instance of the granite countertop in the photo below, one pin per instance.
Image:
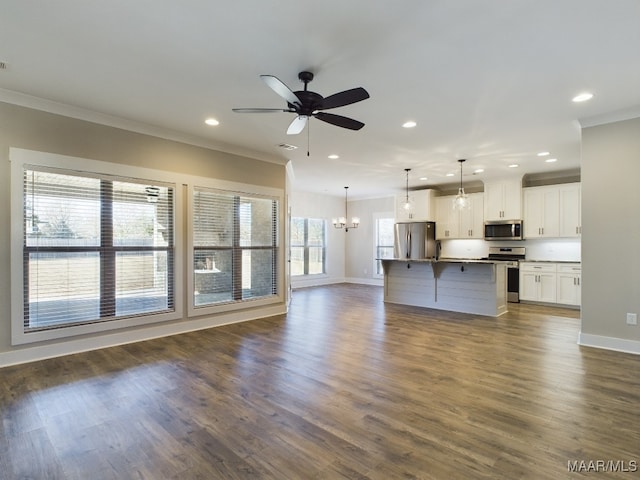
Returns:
(445, 260)
(550, 261)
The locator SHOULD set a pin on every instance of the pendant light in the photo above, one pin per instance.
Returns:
(341, 222)
(407, 203)
(462, 199)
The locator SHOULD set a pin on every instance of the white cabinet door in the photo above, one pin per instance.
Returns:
(446, 218)
(472, 219)
(547, 287)
(541, 212)
(570, 210)
(512, 200)
(467, 223)
(503, 200)
(538, 282)
(422, 206)
(528, 286)
(568, 288)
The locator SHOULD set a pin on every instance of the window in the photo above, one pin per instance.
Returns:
(235, 247)
(96, 248)
(308, 246)
(384, 240)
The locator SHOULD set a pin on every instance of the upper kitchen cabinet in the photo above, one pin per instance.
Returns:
(570, 210)
(503, 200)
(541, 212)
(467, 223)
(422, 206)
(552, 211)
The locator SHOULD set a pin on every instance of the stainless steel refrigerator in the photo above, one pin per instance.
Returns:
(415, 240)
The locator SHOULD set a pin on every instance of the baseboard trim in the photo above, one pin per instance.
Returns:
(365, 281)
(70, 347)
(609, 343)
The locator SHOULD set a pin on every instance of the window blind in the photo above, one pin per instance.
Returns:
(308, 246)
(235, 246)
(96, 248)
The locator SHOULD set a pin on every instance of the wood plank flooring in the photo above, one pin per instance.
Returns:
(343, 386)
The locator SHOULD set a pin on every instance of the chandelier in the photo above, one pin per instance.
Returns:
(341, 222)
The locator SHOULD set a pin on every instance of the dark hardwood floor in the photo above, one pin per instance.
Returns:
(343, 386)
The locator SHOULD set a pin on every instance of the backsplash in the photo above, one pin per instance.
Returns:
(559, 249)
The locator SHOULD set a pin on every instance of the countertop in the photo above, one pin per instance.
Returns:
(445, 260)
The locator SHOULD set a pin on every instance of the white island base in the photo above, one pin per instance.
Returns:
(457, 286)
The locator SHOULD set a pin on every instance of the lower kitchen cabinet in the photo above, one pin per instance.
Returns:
(549, 282)
(538, 282)
(568, 284)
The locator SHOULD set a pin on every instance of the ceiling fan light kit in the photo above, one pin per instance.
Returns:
(306, 104)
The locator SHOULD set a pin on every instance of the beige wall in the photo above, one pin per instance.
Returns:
(611, 231)
(35, 130)
(360, 244)
(313, 205)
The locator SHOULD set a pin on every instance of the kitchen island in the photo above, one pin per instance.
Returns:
(457, 285)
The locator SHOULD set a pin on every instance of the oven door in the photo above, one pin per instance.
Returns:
(513, 284)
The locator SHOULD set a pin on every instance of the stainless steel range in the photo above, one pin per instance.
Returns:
(512, 255)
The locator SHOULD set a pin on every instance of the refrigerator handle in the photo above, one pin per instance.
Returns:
(408, 243)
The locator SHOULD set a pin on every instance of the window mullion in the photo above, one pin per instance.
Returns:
(107, 253)
(306, 246)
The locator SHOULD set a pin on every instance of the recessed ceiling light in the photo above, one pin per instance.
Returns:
(479, 170)
(409, 124)
(450, 174)
(514, 165)
(424, 178)
(333, 156)
(551, 160)
(212, 121)
(543, 154)
(583, 97)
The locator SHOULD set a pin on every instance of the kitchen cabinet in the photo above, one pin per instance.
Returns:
(538, 282)
(541, 212)
(447, 219)
(569, 276)
(570, 210)
(503, 200)
(422, 206)
(466, 223)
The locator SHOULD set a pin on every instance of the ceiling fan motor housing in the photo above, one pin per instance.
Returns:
(309, 102)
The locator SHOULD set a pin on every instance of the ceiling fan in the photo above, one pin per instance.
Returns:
(305, 104)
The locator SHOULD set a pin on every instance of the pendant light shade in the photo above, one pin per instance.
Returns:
(461, 201)
(407, 203)
(341, 222)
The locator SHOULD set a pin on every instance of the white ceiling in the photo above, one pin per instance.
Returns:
(490, 81)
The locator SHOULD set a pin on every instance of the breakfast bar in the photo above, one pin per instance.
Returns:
(457, 285)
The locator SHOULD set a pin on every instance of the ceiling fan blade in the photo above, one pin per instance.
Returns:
(339, 121)
(259, 110)
(297, 125)
(281, 89)
(345, 98)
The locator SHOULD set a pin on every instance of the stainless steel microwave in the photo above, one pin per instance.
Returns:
(503, 230)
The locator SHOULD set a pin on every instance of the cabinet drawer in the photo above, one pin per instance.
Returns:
(538, 267)
(569, 268)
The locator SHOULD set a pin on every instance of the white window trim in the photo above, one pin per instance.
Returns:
(233, 187)
(19, 158)
(377, 216)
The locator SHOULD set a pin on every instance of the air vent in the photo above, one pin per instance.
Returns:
(3, 66)
(286, 146)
